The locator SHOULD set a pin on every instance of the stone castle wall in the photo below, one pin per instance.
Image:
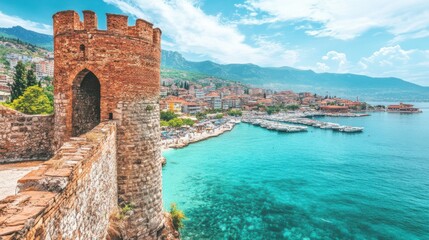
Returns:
(142, 188)
(99, 76)
(125, 61)
(24, 137)
(71, 196)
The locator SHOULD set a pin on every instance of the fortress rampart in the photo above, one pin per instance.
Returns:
(100, 77)
(70, 196)
(24, 137)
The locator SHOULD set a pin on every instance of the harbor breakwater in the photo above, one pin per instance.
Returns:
(277, 122)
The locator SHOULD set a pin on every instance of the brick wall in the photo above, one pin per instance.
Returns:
(24, 137)
(126, 61)
(71, 196)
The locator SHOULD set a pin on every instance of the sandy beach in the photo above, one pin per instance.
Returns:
(193, 135)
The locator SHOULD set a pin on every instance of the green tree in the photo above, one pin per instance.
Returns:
(235, 113)
(31, 77)
(188, 121)
(175, 122)
(272, 109)
(47, 81)
(200, 115)
(292, 107)
(19, 81)
(49, 91)
(33, 101)
(219, 116)
(168, 115)
(164, 123)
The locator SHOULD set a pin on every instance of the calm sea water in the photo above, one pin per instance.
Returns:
(253, 183)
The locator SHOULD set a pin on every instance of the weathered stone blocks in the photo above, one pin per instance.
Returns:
(107, 88)
(71, 196)
(25, 137)
(126, 62)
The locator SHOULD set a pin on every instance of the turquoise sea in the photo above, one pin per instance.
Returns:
(253, 183)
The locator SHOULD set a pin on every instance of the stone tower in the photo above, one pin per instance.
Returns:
(114, 74)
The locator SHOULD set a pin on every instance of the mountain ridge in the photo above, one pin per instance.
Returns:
(25, 35)
(282, 78)
(278, 78)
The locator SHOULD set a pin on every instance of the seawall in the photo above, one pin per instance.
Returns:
(71, 196)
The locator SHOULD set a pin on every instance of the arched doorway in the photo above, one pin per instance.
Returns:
(86, 103)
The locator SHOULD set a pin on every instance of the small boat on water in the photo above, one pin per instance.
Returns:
(351, 129)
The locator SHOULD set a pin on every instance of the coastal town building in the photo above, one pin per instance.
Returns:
(214, 100)
(334, 109)
(45, 68)
(232, 101)
(5, 80)
(164, 92)
(191, 108)
(174, 103)
(403, 107)
(4, 96)
(256, 91)
(14, 58)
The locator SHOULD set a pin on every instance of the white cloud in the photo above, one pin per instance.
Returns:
(388, 56)
(11, 21)
(346, 19)
(192, 31)
(389, 61)
(322, 67)
(334, 61)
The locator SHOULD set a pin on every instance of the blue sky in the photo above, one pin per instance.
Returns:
(377, 38)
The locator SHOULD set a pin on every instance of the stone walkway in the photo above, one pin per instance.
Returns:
(10, 173)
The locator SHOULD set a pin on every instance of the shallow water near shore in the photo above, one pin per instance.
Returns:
(253, 183)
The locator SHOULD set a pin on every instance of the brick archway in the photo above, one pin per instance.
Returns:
(86, 102)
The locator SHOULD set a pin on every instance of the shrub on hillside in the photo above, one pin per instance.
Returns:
(235, 113)
(219, 116)
(176, 122)
(188, 121)
(33, 101)
(178, 216)
(168, 115)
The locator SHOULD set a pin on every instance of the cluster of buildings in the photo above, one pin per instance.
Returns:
(198, 98)
(44, 67)
(5, 79)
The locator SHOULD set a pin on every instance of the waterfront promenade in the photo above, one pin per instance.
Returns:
(183, 137)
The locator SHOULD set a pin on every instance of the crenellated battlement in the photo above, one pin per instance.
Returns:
(69, 21)
(104, 135)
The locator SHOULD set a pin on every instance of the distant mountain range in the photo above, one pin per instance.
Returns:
(38, 39)
(281, 78)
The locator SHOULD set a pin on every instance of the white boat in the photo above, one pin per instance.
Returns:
(351, 129)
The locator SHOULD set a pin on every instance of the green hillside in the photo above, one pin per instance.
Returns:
(344, 85)
(17, 32)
